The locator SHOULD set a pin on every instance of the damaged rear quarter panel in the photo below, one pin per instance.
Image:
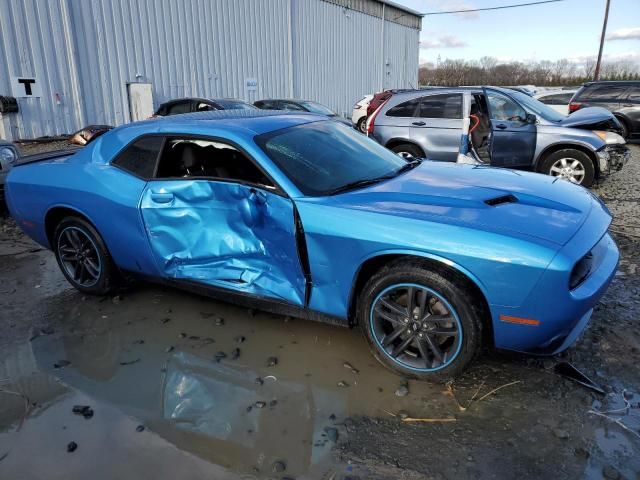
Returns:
(224, 234)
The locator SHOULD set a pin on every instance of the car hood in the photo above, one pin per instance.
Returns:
(591, 117)
(493, 199)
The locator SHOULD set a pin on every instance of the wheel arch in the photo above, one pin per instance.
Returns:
(564, 146)
(55, 215)
(624, 120)
(394, 142)
(441, 265)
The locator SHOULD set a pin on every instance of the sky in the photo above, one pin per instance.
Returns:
(567, 29)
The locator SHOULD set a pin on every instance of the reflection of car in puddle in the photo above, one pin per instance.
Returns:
(199, 405)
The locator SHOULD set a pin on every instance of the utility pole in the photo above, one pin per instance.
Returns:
(596, 74)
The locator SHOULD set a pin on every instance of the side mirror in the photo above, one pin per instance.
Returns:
(531, 118)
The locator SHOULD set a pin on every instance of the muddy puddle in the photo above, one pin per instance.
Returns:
(258, 395)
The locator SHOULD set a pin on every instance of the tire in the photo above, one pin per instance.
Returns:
(416, 362)
(408, 150)
(625, 128)
(74, 236)
(362, 125)
(577, 161)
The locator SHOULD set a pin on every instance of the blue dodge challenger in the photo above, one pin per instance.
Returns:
(300, 215)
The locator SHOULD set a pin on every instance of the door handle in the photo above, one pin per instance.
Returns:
(419, 124)
(501, 126)
(627, 105)
(161, 197)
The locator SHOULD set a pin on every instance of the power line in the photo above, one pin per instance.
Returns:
(492, 8)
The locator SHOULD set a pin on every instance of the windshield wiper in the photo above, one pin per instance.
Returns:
(371, 181)
(357, 184)
(411, 164)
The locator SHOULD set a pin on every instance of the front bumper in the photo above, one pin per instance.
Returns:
(612, 158)
(556, 314)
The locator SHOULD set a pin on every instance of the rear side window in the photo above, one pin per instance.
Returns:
(140, 157)
(556, 99)
(441, 106)
(603, 92)
(634, 94)
(406, 109)
(177, 108)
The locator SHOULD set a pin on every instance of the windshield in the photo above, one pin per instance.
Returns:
(323, 157)
(537, 107)
(235, 105)
(317, 108)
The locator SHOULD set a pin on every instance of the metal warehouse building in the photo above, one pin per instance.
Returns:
(70, 63)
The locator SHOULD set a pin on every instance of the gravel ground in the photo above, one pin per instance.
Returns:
(336, 413)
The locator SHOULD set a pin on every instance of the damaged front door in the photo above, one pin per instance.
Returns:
(212, 216)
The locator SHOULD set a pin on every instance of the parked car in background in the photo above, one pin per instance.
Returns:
(300, 106)
(188, 105)
(9, 156)
(507, 129)
(431, 260)
(557, 99)
(359, 114)
(622, 98)
(381, 97)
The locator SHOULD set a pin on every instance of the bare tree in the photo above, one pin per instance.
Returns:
(488, 70)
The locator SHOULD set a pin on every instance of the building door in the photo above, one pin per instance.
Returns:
(140, 101)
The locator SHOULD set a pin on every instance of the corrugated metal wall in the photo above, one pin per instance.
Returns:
(87, 51)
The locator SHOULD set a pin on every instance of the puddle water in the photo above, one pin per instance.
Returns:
(154, 359)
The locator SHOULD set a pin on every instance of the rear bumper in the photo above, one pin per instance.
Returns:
(612, 158)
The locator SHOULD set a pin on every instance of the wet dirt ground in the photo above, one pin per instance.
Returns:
(180, 386)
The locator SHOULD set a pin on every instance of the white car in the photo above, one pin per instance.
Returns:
(557, 99)
(8, 157)
(359, 115)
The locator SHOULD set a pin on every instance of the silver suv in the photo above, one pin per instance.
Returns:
(8, 157)
(500, 127)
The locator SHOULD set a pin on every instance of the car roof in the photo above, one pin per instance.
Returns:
(612, 82)
(251, 121)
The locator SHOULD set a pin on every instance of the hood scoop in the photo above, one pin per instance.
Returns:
(493, 202)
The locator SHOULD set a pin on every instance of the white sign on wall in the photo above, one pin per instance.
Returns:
(25, 87)
(251, 84)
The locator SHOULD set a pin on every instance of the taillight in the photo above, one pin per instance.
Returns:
(573, 106)
(372, 119)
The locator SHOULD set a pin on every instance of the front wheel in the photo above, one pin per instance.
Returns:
(570, 164)
(83, 257)
(419, 323)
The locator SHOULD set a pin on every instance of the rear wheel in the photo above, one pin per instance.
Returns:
(570, 164)
(83, 257)
(408, 150)
(362, 125)
(419, 323)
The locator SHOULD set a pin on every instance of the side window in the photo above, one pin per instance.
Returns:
(503, 108)
(291, 106)
(441, 106)
(204, 107)
(406, 109)
(634, 94)
(194, 158)
(180, 107)
(605, 92)
(557, 99)
(140, 157)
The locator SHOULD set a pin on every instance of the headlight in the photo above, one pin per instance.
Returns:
(610, 138)
(8, 154)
